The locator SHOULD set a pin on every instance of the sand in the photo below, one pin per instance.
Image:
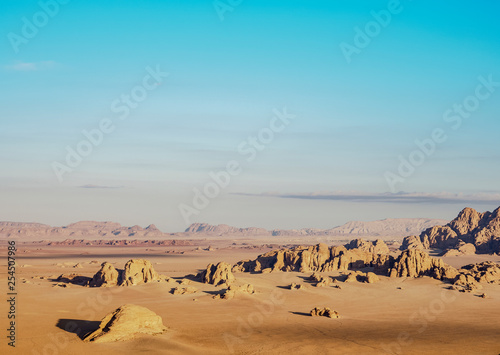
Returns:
(423, 317)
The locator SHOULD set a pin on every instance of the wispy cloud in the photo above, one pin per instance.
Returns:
(400, 197)
(90, 186)
(31, 66)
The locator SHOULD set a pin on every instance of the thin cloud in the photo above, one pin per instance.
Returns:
(31, 66)
(400, 197)
(90, 186)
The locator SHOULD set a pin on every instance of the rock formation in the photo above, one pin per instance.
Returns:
(470, 227)
(233, 290)
(107, 276)
(138, 271)
(324, 312)
(315, 258)
(376, 247)
(125, 323)
(294, 286)
(412, 242)
(217, 274)
(416, 263)
(184, 290)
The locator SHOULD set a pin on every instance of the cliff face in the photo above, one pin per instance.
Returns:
(479, 229)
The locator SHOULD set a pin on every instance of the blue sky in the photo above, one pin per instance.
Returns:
(353, 119)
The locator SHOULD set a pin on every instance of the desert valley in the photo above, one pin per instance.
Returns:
(397, 286)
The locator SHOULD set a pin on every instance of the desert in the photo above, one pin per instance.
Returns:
(216, 295)
(253, 177)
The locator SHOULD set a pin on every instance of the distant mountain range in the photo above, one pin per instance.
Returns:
(110, 230)
(391, 227)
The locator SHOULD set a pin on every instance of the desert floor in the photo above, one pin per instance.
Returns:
(393, 316)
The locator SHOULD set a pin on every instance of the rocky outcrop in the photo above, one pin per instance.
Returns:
(412, 242)
(416, 263)
(376, 247)
(125, 323)
(138, 271)
(472, 276)
(233, 290)
(324, 312)
(470, 227)
(461, 249)
(294, 286)
(184, 290)
(217, 274)
(315, 258)
(107, 276)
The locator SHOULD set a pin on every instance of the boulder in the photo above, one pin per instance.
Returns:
(412, 242)
(125, 323)
(184, 290)
(324, 312)
(371, 278)
(107, 276)
(217, 274)
(234, 290)
(138, 271)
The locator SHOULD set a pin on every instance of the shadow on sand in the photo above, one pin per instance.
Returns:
(78, 326)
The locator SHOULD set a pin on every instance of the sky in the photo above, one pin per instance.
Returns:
(324, 111)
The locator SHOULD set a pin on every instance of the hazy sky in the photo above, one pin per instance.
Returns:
(364, 81)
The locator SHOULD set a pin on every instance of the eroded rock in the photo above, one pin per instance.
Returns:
(125, 323)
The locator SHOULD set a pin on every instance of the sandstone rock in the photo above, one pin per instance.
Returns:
(416, 263)
(138, 271)
(412, 242)
(295, 286)
(184, 290)
(107, 276)
(461, 248)
(125, 323)
(324, 312)
(376, 247)
(234, 290)
(320, 258)
(371, 278)
(351, 277)
(470, 227)
(217, 274)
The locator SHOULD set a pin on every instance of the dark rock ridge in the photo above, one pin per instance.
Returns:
(481, 230)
